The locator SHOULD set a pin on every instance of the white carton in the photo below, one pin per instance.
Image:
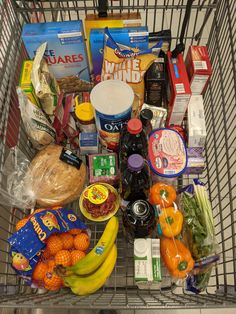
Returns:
(196, 122)
(147, 263)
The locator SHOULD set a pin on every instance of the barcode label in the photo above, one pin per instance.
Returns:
(169, 171)
(200, 65)
(179, 88)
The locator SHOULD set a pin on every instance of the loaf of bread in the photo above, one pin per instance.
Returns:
(54, 182)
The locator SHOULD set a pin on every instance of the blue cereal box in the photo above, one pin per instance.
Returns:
(66, 52)
(135, 37)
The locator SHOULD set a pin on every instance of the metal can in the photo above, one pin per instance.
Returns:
(139, 220)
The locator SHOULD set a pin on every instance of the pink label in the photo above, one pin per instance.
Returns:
(167, 153)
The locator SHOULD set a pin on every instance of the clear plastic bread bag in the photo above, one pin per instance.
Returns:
(54, 177)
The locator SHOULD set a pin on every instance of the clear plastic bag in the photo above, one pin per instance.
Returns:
(175, 255)
(14, 191)
(54, 177)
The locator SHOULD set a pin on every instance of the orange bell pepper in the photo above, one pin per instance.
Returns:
(162, 194)
(171, 221)
(177, 257)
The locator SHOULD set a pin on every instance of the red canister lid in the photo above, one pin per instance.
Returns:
(134, 126)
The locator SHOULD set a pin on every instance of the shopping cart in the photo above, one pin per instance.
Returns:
(211, 23)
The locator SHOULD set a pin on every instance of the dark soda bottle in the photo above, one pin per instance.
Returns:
(133, 140)
(135, 179)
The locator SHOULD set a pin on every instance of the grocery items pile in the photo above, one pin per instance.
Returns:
(117, 142)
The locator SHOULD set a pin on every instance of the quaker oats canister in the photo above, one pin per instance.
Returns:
(112, 101)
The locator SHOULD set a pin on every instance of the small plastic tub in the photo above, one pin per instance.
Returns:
(167, 153)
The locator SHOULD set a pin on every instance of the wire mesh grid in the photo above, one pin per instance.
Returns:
(218, 17)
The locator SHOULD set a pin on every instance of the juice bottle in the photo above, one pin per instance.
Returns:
(135, 179)
(133, 140)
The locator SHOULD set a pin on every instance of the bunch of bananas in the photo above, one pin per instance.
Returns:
(91, 272)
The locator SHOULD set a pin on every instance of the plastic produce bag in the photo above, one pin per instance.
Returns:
(175, 255)
(199, 233)
(13, 191)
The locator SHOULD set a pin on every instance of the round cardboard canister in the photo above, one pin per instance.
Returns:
(112, 101)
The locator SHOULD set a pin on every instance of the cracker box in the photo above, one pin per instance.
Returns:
(180, 91)
(199, 68)
(136, 37)
(66, 51)
(26, 84)
(196, 122)
(112, 20)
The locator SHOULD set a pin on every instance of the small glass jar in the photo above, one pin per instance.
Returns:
(85, 117)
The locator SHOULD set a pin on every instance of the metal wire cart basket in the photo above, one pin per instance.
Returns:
(211, 23)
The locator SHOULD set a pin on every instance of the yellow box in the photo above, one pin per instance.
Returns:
(112, 20)
(25, 82)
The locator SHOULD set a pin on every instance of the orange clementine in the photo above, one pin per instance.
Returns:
(21, 223)
(81, 242)
(51, 264)
(76, 255)
(40, 271)
(52, 281)
(63, 258)
(54, 244)
(67, 240)
(75, 231)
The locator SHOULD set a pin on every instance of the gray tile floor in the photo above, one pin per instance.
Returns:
(179, 311)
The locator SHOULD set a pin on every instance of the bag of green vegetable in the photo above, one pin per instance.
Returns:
(199, 233)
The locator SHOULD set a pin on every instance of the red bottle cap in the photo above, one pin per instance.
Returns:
(134, 126)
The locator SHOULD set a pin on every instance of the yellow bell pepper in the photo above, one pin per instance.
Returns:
(171, 221)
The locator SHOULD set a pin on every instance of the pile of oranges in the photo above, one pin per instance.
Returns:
(64, 249)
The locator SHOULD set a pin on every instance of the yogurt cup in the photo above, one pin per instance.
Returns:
(112, 101)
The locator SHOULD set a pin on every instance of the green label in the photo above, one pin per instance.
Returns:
(156, 268)
(104, 166)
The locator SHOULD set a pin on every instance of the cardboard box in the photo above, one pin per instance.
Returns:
(25, 82)
(180, 91)
(112, 20)
(196, 162)
(199, 68)
(147, 263)
(196, 122)
(136, 37)
(66, 52)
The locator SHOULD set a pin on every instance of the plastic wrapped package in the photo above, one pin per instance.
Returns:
(54, 177)
(199, 233)
(38, 128)
(175, 255)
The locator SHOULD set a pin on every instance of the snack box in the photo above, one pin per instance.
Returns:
(112, 20)
(180, 91)
(26, 84)
(147, 263)
(196, 163)
(196, 122)
(103, 168)
(66, 52)
(199, 68)
(136, 37)
(88, 143)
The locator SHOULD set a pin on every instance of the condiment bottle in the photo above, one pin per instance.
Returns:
(85, 117)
